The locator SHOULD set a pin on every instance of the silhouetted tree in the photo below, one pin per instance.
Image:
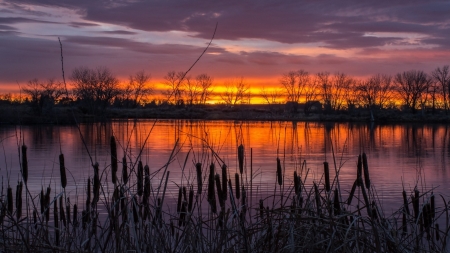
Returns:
(235, 92)
(412, 86)
(442, 78)
(375, 92)
(271, 96)
(137, 88)
(205, 83)
(174, 93)
(294, 84)
(333, 89)
(95, 87)
(43, 94)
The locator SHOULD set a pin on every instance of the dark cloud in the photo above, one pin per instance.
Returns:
(82, 24)
(118, 32)
(17, 20)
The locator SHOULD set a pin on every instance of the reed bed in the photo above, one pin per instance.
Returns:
(213, 213)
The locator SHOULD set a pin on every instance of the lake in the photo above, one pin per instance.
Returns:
(399, 156)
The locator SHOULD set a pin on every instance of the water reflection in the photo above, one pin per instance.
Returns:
(407, 153)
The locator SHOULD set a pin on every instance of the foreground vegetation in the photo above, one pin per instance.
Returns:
(124, 208)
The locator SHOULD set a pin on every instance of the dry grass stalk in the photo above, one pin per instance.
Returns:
(62, 171)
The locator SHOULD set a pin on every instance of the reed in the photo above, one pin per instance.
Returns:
(279, 172)
(198, 169)
(114, 165)
(327, 176)
(238, 186)
(241, 158)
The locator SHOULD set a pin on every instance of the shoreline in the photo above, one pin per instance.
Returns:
(13, 115)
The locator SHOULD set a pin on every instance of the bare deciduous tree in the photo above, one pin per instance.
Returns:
(412, 86)
(442, 78)
(376, 91)
(95, 87)
(271, 96)
(173, 80)
(333, 89)
(205, 82)
(235, 92)
(43, 94)
(137, 88)
(294, 84)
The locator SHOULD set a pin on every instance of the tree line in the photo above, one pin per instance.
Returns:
(96, 89)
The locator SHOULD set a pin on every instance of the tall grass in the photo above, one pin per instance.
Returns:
(310, 217)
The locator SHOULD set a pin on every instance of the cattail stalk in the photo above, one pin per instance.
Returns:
(24, 170)
(47, 204)
(19, 200)
(62, 214)
(10, 200)
(62, 171)
(317, 197)
(241, 158)
(55, 213)
(113, 159)
(96, 188)
(191, 198)
(415, 201)
(405, 202)
(366, 171)
(327, 176)
(180, 194)
(336, 204)
(352, 192)
(211, 190)
(147, 186)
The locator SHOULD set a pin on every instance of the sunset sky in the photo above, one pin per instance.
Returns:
(256, 40)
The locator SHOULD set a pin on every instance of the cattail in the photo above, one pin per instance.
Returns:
(437, 231)
(184, 193)
(84, 218)
(426, 212)
(35, 218)
(191, 198)
(279, 173)
(405, 202)
(68, 211)
(352, 192)
(88, 194)
(19, 200)
(317, 197)
(433, 207)
(241, 158)
(47, 204)
(146, 183)
(366, 171)
(62, 171)
(96, 185)
(359, 171)
(140, 179)
(55, 213)
(62, 215)
(374, 211)
(415, 201)
(198, 168)
(404, 225)
(42, 201)
(261, 208)
(10, 200)
(24, 164)
(124, 170)
(75, 215)
(135, 212)
(180, 192)
(219, 191)
(327, 176)
(211, 191)
(336, 204)
(224, 182)
(244, 197)
(113, 159)
(238, 186)
(296, 183)
(181, 221)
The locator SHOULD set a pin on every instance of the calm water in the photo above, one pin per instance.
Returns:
(397, 154)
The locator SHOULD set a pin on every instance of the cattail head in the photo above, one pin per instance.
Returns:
(113, 159)
(24, 164)
(62, 171)
(279, 172)
(140, 179)
(224, 182)
(211, 191)
(352, 193)
(366, 171)
(124, 170)
(241, 158)
(359, 171)
(9, 199)
(191, 199)
(198, 168)
(47, 204)
(147, 186)
(19, 200)
(96, 188)
(219, 191)
(88, 194)
(238, 185)
(326, 169)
